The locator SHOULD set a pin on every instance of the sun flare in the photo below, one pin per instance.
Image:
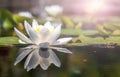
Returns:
(94, 6)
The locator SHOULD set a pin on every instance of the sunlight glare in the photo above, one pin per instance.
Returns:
(94, 6)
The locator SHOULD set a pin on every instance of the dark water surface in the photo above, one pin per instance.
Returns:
(88, 61)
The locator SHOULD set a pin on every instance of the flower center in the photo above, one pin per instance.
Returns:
(51, 31)
(37, 29)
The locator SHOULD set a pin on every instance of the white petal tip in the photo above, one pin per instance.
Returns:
(15, 64)
(34, 20)
(26, 23)
(70, 52)
(25, 67)
(58, 65)
(28, 70)
(34, 23)
(44, 68)
(14, 28)
(70, 38)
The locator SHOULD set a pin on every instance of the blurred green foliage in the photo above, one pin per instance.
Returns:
(68, 22)
(6, 41)
(8, 21)
(110, 29)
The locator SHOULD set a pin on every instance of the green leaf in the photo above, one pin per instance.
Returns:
(113, 40)
(20, 19)
(68, 22)
(84, 40)
(116, 33)
(90, 32)
(79, 25)
(109, 26)
(5, 14)
(6, 41)
(117, 25)
(89, 40)
(101, 29)
(7, 24)
(70, 31)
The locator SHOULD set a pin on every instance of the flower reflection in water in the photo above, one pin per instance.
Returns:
(43, 40)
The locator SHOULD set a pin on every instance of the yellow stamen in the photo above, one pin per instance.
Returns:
(51, 31)
(38, 29)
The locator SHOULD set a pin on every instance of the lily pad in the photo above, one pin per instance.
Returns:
(7, 41)
(102, 30)
(113, 40)
(71, 31)
(67, 21)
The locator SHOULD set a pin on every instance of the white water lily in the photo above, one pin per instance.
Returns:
(42, 40)
(54, 10)
(26, 14)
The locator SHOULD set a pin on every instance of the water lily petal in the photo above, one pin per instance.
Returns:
(44, 34)
(22, 55)
(29, 47)
(34, 24)
(62, 49)
(62, 41)
(27, 60)
(55, 35)
(54, 59)
(22, 36)
(48, 25)
(44, 63)
(22, 42)
(34, 60)
(33, 34)
(44, 31)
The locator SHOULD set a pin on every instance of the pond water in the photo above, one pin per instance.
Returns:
(87, 61)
